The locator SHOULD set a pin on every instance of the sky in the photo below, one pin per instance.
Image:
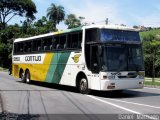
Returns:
(128, 12)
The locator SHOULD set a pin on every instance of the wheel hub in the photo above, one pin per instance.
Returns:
(83, 84)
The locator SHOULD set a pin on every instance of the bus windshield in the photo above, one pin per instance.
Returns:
(122, 58)
(118, 35)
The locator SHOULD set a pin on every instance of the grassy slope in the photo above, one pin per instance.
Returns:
(152, 83)
(154, 32)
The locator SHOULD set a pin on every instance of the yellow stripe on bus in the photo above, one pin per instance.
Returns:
(40, 70)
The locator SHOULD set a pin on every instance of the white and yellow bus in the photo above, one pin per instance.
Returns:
(98, 57)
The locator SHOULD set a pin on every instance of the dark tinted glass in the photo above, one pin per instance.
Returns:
(118, 35)
(115, 59)
(123, 58)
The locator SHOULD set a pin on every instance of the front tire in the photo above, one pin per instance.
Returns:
(83, 86)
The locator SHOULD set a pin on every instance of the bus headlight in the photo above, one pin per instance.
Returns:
(141, 74)
(104, 77)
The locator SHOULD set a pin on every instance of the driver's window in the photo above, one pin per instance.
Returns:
(94, 59)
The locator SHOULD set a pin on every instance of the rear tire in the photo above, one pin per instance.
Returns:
(27, 77)
(22, 76)
(83, 86)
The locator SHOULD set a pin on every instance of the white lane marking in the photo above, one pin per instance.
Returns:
(134, 103)
(118, 106)
(152, 88)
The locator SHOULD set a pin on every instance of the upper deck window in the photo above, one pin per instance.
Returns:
(118, 35)
(92, 35)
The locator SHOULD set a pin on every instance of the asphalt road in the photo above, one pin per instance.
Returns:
(61, 102)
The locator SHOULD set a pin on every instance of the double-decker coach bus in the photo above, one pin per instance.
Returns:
(98, 57)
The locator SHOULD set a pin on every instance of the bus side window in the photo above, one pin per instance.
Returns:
(56, 42)
(39, 48)
(20, 47)
(62, 42)
(27, 46)
(69, 40)
(44, 44)
(80, 40)
(74, 43)
(75, 40)
(52, 44)
(36, 45)
(47, 42)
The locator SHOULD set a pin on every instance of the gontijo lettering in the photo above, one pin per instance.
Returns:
(33, 58)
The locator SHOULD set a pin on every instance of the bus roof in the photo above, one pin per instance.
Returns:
(48, 34)
(116, 27)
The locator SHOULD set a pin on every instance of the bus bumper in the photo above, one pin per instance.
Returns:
(109, 85)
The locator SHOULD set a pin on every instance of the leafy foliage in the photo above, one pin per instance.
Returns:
(56, 14)
(43, 26)
(151, 49)
(11, 8)
(72, 21)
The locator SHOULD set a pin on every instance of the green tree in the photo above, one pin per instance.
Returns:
(72, 21)
(151, 49)
(56, 14)
(6, 38)
(43, 26)
(11, 8)
(155, 54)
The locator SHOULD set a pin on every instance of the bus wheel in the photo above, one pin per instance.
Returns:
(83, 86)
(27, 76)
(22, 76)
